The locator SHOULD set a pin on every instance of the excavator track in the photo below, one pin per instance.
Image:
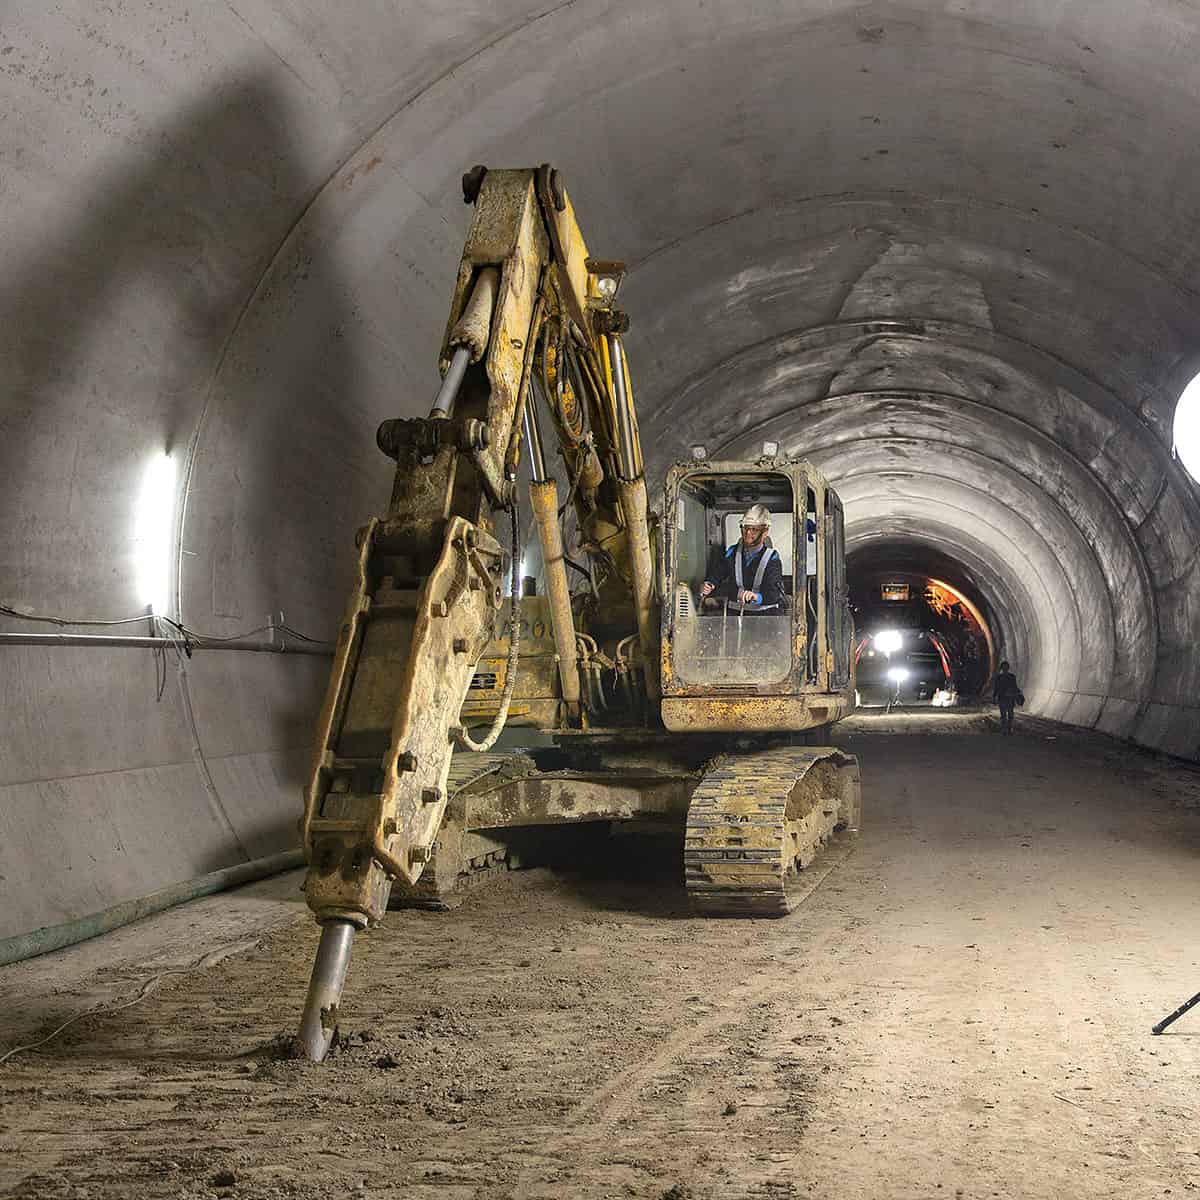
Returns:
(459, 858)
(756, 821)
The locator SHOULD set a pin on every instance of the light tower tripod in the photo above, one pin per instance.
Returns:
(1176, 1014)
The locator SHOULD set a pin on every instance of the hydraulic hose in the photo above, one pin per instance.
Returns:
(55, 937)
(462, 737)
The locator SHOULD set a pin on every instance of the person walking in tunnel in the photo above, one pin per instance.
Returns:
(1007, 694)
(750, 573)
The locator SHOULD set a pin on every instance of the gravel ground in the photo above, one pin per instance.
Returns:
(960, 1009)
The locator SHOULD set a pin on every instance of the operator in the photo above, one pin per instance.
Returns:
(1007, 695)
(751, 573)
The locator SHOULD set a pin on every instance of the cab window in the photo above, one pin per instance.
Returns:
(721, 638)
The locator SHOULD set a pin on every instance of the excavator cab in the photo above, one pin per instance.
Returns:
(781, 662)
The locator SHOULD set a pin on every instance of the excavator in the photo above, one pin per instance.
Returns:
(661, 702)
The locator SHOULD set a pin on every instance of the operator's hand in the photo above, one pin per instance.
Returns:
(746, 596)
(706, 589)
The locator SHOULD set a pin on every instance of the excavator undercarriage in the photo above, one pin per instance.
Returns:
(752, 821)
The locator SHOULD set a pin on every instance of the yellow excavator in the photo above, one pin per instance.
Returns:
(678, 693)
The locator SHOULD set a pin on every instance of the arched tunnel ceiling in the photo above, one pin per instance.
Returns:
(948, 251)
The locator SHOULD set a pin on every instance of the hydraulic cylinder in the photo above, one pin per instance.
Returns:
(544, 497)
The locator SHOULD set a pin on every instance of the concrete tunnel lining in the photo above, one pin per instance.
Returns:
(1107, 570)
(237, 242)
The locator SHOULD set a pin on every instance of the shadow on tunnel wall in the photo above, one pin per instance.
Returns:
(194, 222)
(117, 325)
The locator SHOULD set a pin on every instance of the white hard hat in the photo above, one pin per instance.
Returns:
(756, 514)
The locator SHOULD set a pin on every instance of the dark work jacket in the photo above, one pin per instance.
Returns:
(1004, 690)
(721, 575)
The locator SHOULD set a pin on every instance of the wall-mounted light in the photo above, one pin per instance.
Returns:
(699, 453)
(154, 533)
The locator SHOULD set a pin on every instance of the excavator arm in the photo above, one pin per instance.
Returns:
(531, 311)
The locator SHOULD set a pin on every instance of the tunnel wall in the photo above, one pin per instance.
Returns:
(947, 254)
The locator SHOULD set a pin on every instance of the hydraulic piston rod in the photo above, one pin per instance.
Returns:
(460, 360)
(469, 339)
(325, 989)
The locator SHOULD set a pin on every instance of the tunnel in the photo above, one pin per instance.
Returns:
(232, 244)
(945, 251)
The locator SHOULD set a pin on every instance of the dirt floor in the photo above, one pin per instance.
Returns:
(962, 1008)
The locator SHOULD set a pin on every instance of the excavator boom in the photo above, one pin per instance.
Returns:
(429, 586)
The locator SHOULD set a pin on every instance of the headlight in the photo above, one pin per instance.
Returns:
(897, 674)
(888, 642)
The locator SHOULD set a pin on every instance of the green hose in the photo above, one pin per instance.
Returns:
(55, 937)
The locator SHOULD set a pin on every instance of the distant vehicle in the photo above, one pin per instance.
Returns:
(908, 666)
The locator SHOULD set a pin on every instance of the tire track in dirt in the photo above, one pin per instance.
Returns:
(594, 1121)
